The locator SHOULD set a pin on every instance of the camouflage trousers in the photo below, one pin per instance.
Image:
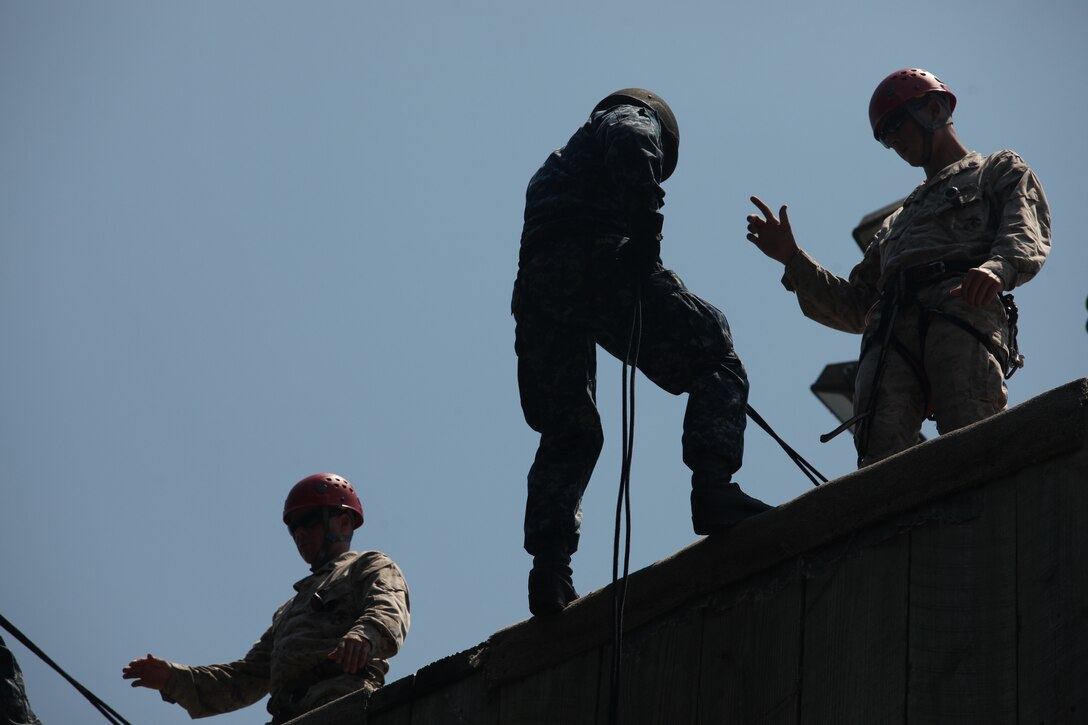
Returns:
(686, 347)
(964, 381)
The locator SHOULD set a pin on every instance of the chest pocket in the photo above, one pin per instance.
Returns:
(335, 600)
(961, 208)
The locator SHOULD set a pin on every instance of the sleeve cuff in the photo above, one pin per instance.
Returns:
(799, 264)
(379, 641)
(1002, 269)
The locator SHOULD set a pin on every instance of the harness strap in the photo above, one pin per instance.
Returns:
(1002, 359)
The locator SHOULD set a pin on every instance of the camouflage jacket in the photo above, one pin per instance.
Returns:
(364, 593)
(989, 211)
(605, 181)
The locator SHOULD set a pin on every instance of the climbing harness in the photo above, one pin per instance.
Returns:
(901, 292)
(107, 712)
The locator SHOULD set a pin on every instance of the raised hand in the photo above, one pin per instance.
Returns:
(773, 236)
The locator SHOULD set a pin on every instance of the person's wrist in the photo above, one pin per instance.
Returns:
(788, 256)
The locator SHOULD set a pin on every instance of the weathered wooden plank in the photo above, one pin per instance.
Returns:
(400, 714)
(855, 625)
(391, 705)
(348, 710)
(751, 657)
(466, 702)
(659, 676)
(566, 693)
(962, 632)
(1052, 524)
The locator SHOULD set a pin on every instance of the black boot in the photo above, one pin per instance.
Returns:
(722, 506)
(551, 588)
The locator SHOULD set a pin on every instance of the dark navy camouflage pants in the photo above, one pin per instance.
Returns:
(562, 312)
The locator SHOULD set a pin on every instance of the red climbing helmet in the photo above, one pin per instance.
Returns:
(323, 490)
(900, 87)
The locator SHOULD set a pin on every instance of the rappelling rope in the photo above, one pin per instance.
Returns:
(806, 468)
(107, 712)
(623, 503)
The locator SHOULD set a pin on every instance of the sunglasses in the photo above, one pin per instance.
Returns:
(306, 521)
(890, 126)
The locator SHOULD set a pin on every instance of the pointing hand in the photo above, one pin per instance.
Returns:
(774, 237)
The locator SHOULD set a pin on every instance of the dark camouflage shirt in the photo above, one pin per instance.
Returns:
(605, 181)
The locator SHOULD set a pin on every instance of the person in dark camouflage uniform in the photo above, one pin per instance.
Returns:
(14, 706)
(589, 252)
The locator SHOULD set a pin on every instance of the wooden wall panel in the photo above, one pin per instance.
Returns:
(466, 702)
(962, 627)
(660, 672)
(566, 693)
(400, 715)
(1052, 507)
(854, 659)
(751, 658)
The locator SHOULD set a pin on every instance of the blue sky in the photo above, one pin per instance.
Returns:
(244, 242)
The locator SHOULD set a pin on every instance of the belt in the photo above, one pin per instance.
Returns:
(923, 274)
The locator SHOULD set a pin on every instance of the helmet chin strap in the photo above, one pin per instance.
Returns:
(927, 146)
(929, 127)
(330, 538)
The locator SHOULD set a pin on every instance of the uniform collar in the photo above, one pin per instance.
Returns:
(972, 160)
(326, 568)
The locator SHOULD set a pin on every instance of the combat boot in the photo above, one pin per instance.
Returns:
(551, 587)
(721, 506)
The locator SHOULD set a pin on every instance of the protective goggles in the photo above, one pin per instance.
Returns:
(306, 521)
(892, 124)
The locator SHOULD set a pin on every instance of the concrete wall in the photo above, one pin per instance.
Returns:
(946, 584)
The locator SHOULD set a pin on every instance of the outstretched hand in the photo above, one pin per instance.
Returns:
(773, 236)
(352, 653)
(150, 672)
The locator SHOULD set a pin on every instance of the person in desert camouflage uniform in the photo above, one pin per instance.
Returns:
(589, 251)
(938, 332)
(332, 638)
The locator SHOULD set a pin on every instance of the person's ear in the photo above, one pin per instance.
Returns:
(935, 110)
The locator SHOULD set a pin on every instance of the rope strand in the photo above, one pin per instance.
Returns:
(107, 712)
(623, 503)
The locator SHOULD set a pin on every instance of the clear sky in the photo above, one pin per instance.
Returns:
(242, 242)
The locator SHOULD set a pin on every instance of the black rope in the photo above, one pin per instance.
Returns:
(623, 504)
(806, 468)
(107, 712)
(865, 419)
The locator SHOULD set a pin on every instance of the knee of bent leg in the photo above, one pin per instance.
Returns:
(577, 427)
(582, 433)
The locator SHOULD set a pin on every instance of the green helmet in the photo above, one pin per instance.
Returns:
(670, 130)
